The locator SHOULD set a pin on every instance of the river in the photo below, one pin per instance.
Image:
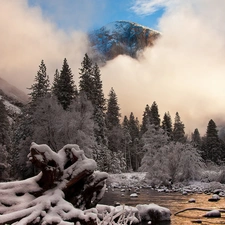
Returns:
(174, 201)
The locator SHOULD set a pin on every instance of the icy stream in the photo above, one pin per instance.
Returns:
(174, 201)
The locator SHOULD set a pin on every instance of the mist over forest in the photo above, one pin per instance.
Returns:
(183, 72)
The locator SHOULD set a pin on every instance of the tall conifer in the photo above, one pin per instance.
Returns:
(145, 119)
(65, 89)
(41, 87)
(86, 84)
(213, 149)
(91, 85)
(112, 113)
(167, 124)
(178, 129)
(154, 116)
(196, 138)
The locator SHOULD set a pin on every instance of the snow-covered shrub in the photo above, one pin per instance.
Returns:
(169, 161)
(221, 177)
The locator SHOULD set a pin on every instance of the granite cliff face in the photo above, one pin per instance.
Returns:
(121, 37)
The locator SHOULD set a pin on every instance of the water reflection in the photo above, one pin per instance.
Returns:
(173, 201)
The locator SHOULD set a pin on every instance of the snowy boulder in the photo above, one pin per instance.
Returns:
(213, 213)
(116, 203)
(153, 212)
(221, 194)
(217, 191)
(191, 200)
(214, 198)
(134, 195)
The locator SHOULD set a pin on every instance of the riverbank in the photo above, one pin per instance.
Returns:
(137, 179)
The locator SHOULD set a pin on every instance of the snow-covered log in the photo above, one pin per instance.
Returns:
(66, 186)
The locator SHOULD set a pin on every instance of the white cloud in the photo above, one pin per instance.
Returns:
(27, 37)
(183, 72)
(146, 7)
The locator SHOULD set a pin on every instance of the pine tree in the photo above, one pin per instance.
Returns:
(114, 130)
(167, 124)
(126, 142)
(213, 148)
(86, 84)
(41, 87)
(4, 125)
(196, 138)
(112, 113)
(155, 117)
(178, 130)
(145, 119)
(91, 85)
(133, 127)
(65, 89)
(99, 104)
(98, 95)
(134, 147)
(55, 82)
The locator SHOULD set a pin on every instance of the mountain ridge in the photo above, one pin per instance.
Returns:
(121, 38)
(12, 91)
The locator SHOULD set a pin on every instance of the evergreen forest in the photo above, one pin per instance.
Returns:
(65, 112)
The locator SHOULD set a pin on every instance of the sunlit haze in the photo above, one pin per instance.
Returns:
(184, 72)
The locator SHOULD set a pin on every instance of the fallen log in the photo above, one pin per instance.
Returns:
(66, 186)
(200, 209)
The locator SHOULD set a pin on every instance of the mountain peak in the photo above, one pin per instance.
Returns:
(121, 37)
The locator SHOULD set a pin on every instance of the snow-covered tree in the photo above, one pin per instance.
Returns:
(152, 141)
(164, 161)
(22, 137)
(191, 163)
(4, 165)
(73, 126)
(184, 162)
(4, 125)
(47, 119)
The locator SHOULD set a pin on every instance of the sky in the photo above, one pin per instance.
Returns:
(184, 72)
(87, 15)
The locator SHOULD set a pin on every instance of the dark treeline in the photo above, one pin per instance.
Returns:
(64, 112)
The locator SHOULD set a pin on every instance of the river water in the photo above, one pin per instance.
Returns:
(174, 201)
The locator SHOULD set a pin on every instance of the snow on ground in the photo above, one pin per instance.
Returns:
(127, 179)
(137, 179)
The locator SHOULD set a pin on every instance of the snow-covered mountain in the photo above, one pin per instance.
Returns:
(121, 37)
(13, 92)
(13, 98)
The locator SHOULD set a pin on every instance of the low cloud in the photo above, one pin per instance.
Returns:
(184, 72)
(27, 37)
